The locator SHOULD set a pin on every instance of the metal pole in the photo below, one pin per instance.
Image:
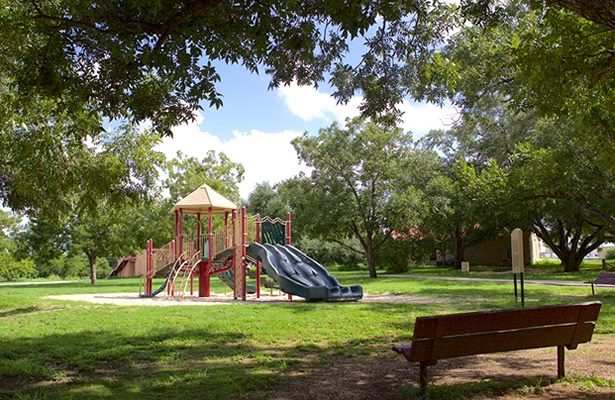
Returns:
(180, 237)
(178, 250)
(289, 228)
(205, 266)
(148, 267)
(244, 243)
(289, 238)
(257, 237)
(515, 281)
(522, 291)
(199, 233)
(226, 230)
(235, 261)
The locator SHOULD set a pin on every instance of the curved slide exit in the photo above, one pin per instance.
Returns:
(299, 275)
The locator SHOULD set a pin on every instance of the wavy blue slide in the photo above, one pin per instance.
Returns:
(299, 275)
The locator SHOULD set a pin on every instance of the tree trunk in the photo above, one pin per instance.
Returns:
(572, 262)
(371, 263)
(92, 259)
(569, 243)
(599, 11)
(460, 247)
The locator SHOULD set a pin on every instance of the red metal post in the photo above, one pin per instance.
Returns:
(179, 233)
(205, 267)
(149, 266)
(257, 237)
(174, 252)
(289, 228)
(234, 244)
(176, 234)
(199, 233)
(244, 244)
(226, 229)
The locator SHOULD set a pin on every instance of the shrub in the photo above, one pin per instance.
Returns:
(609, 254)
(12, 269)
(394, 256)
(74, 266)
(330, 253)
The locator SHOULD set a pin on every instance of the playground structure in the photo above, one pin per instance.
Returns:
(240, 243)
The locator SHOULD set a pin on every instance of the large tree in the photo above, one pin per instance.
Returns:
(267, 201)
(101, 227)
(141, 59)
(67, 66)
(185, 174)
(365, 183)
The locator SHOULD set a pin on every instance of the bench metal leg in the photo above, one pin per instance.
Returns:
(593, 292)
(423, 377)
(561, 371)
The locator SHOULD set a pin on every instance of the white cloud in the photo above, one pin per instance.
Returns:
(269, 156)
(420, 118)
(309, 104)
(266, 156)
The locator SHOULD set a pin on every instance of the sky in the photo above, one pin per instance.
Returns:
(255, 125)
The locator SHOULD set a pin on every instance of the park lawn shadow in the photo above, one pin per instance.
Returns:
(172, 363)
(19, 311)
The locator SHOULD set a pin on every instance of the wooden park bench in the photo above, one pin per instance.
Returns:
(604, 278)
(455, 335)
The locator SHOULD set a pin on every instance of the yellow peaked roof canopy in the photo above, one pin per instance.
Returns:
(201, 199)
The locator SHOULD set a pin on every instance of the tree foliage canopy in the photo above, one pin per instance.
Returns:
(156, 60)
(365, 183)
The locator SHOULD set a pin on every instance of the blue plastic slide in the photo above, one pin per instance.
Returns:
(299, 275)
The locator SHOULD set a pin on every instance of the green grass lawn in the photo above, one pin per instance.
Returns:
(544, 270)
(70, 350)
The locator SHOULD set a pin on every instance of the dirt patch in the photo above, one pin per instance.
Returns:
(11, 383)
(133, 299)
(404, 299)
(528, 374)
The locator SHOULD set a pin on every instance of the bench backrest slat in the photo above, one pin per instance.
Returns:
(494, 331)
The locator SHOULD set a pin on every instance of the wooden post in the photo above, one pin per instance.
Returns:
(518, 260)
(561, 370)
(423, 377)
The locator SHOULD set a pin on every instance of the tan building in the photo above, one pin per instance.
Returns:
(130, 266)
(498, 251)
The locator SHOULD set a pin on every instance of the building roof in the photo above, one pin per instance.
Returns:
(201, 199)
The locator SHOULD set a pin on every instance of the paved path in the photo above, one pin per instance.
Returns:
(494, 280)
(34, 283)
